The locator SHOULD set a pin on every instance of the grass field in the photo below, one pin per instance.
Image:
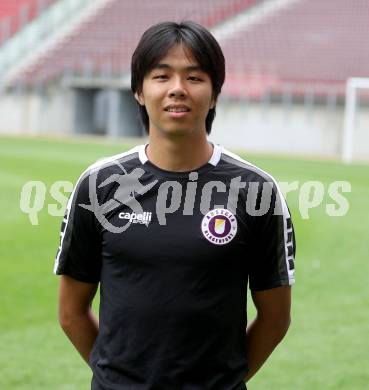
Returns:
(327, 346)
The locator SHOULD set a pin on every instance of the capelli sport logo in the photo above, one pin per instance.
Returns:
(219, 226)
(141, 218)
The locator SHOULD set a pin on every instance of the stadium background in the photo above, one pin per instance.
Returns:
(287, 105)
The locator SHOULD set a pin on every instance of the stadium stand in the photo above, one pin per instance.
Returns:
(105, 43)
(305, 46)
(14, 14)
(288, 62)
(310, 44)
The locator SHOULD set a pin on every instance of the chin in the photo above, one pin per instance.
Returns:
(178, 131)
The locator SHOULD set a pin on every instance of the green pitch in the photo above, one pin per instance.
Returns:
(327, 346)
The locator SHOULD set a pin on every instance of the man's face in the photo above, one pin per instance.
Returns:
(177, 94)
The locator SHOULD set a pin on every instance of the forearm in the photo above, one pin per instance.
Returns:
(261, 339)
(82, 330)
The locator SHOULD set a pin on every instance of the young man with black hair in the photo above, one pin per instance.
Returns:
(168, 231)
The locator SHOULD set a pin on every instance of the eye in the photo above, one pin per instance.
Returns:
(160, 77)
(194, 78)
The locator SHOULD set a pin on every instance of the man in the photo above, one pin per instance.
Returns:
(173, 231)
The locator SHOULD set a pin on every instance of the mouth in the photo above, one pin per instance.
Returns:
(177, 108)
(177, 111)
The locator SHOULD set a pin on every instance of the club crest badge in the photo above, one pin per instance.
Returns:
(219, 226)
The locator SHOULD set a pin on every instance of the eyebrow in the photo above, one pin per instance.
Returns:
(190, 68)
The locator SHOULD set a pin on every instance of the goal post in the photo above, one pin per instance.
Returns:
(352, 86)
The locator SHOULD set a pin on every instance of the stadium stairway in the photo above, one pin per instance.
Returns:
(16, 14)
(102, 39)
(268, 44)
(26, 24)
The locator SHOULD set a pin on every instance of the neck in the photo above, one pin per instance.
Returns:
(179, 154)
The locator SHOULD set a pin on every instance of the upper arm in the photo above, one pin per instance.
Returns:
(273, 244)
(75, 297)
(79, 253)
(274, 305)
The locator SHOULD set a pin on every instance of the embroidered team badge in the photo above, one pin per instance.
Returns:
(219, 226)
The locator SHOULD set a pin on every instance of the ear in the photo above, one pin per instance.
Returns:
(139, 97)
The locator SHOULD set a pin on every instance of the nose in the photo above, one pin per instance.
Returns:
(177, 90)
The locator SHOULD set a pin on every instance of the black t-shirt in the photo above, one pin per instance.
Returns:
(174, 253)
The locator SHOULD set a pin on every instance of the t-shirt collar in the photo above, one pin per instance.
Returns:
(214, 159)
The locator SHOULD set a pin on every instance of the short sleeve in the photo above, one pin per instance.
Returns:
(273, 262)
(79, 253)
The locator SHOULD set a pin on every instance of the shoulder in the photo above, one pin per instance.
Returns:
(103, 169)
(111, 163)
(244, 167)
(256, 178)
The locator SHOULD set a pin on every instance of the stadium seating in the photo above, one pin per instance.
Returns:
(307, 44)
(16, 13)
(106, 42)
(311, 44)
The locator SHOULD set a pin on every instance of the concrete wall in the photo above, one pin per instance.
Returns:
(79, 110)
(36, 112)
(294, 128)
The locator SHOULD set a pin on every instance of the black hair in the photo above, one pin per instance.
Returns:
(159, 39)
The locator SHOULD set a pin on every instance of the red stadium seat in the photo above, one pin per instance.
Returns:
(15, 10)
(318, 44)
(112, 35)
(315, 44)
